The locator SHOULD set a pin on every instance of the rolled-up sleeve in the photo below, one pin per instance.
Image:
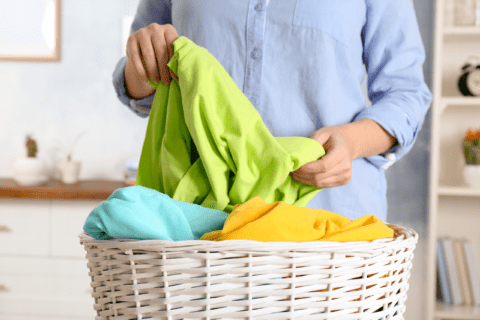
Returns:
(148, 12)
(394, 56)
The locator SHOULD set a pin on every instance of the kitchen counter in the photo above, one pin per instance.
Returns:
(54, 189)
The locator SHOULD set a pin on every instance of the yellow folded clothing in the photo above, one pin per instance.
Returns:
(279, 221)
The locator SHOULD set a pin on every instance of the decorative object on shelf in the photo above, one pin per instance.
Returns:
(68, 168)
(469, 81)
(471, 150)
(131, 168)
(465, 12)
(30, 170)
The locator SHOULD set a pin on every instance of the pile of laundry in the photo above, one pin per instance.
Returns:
(211, 170)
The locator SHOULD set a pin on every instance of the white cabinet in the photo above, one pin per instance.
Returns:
(454, 207)
(43, 269)
(23, 226)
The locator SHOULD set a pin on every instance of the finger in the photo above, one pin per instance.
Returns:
(136, 59)
(308, 175)
(161, 55)
(148, 55)
(170, 36)
(323, 165)
(321, 135)
(170, 55)
(336, 153)
(327, 182)
(342, 171)
(161, 52)
(314, 167)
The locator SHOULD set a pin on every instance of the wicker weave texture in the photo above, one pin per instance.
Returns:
(236, 279)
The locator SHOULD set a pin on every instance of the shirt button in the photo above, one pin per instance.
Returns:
(258, 7)
(255, 53)
(253, 100)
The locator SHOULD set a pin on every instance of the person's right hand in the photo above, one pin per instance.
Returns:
(150, 49)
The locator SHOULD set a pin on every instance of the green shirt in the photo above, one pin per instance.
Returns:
(206, 144)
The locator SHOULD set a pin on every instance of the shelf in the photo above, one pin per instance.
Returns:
(444, 311)
(461, 191)
(461, 32)
(453, 205)
(460, 101)
(53, 189)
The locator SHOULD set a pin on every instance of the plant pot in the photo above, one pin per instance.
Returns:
(29, 171)
(69, 170)
(471, 175)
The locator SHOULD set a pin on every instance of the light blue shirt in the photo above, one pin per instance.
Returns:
(302, 62)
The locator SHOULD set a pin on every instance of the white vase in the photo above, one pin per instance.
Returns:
(69, 170)
(471, 175)
(29, 171)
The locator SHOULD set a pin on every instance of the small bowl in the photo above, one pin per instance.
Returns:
(471, 175)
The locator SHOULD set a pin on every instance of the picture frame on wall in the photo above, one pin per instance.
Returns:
(30, 30)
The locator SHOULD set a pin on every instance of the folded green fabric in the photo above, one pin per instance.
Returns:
(141, 213)
(206, 144)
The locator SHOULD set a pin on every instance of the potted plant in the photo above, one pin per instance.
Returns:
(471, 151)
(69, 169)
(30, 170)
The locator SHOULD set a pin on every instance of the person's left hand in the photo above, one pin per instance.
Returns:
(335, 167)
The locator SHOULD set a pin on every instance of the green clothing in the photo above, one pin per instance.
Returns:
(206, 144)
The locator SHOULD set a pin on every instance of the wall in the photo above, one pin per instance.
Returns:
(57, 101)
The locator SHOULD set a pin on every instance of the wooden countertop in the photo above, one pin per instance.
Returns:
(54, 189)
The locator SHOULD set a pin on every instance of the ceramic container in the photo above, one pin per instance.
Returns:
(69, 170)
(471, 175)
(29, 171)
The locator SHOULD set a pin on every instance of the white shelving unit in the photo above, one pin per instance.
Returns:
(454, 208)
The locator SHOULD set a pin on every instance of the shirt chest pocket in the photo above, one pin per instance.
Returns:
(340, 19)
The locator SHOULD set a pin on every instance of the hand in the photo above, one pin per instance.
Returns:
(332, 170)
(150, 49)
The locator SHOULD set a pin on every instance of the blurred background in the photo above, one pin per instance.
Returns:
(57, 102)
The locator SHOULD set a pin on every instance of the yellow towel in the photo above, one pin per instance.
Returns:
(279, 221)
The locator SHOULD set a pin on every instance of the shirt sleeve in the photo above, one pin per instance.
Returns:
(393, 55)
(148, 12)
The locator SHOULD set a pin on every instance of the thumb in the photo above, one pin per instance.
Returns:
(321, 136)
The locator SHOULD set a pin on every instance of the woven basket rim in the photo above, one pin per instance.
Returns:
(404, 235)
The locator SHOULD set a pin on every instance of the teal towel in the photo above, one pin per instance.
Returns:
(146, 214)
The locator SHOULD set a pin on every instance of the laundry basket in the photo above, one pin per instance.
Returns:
(238, 279)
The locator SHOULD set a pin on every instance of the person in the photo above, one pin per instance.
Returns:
(301, 63)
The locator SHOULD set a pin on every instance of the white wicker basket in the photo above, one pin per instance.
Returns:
(237, 279)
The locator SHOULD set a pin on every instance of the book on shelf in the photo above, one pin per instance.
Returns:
(462, 272)
(472, 271)
(452, 271)
(444, 286)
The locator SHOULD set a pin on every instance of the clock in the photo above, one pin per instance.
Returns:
(469, 82)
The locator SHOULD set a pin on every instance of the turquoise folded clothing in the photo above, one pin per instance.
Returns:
(141, 213)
